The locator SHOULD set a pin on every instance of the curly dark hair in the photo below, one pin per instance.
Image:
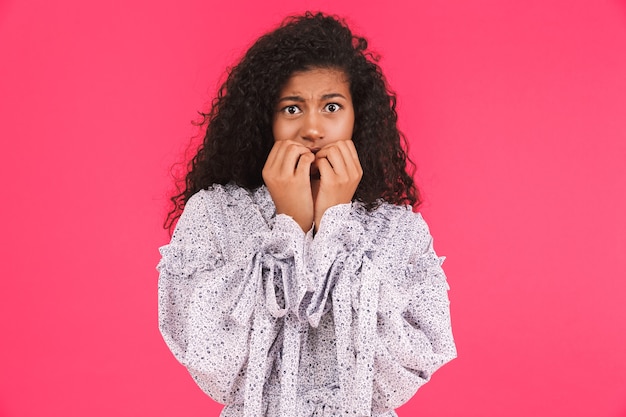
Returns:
(239, 136)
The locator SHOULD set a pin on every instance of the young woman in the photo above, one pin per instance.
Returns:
(299, 281)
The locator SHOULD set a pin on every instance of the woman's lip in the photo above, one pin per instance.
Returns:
(314, 150)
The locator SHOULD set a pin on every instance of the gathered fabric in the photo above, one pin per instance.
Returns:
(272, 321)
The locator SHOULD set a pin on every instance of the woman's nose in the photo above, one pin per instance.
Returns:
(312, 127)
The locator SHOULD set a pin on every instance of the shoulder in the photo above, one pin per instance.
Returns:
(232, 208)
(397, 220)
(219, 200)
(219, 194)
(392, 234)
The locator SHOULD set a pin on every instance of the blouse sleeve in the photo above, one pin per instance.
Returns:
(219, 305)
(390, 306)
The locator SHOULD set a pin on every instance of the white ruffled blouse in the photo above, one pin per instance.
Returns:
(272, 321)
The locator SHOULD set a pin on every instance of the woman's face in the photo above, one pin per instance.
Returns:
(315, 109)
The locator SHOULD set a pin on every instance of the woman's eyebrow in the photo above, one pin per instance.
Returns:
(299, 99)
(291, 98)
(333, 95)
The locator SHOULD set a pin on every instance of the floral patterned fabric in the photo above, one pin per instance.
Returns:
(272, 321)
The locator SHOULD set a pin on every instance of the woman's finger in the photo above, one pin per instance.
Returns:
(283, 158)
(290, 157)
(325, 168)
(351, 159)
(354, 156)
(303, 167)
(335, 158)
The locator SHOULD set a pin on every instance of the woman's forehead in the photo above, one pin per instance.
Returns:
(316, 80)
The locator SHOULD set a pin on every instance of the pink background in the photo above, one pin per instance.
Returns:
(516, 113)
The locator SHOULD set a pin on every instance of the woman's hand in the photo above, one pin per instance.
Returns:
(340, 174)
(287, 176)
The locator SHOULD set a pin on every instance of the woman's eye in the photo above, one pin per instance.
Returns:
(332, 107)
(291, 110)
